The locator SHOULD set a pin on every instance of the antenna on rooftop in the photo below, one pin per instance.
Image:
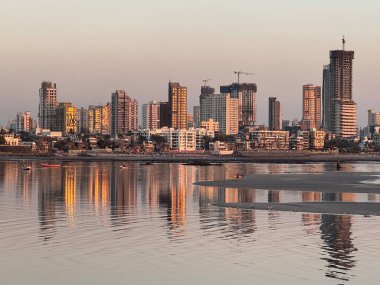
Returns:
(343, 42)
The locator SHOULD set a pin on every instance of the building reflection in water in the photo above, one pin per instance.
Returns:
(310, 220)
(69, 186)
(172, 196)
(98, 188)
(50, 201)
(123, 194)
(338, 243)
(239, 221)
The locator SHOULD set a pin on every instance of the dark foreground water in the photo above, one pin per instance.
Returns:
(92, 223)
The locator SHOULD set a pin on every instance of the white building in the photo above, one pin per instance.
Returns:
(180, 139)
(220, 148)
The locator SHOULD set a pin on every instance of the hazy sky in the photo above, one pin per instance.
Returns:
(92, 47)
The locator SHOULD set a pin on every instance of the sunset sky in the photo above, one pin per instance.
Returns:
(92, 47)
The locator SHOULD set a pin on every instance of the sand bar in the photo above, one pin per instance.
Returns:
(336, 208)
(328, 182)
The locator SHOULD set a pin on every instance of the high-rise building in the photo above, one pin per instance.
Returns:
(197, 116)
(222, 109)
(24, 122)
(178, 105)
(67, 118)
(99, 119)
(151, 115)
(373, 118)
(165, 115)
(124, 113)
(246, 95)
(83, 120)
(345, 119)
(311, 107)
(326, 101)
(275, 114)
(339, 97)
(47, 118)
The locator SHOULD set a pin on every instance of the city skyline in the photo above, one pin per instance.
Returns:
(97, 52)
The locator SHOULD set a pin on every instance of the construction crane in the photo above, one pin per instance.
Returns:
(241, 72)
(205, 81)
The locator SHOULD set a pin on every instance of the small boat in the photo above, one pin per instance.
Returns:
(26, 167)
(338, 165)
(124, 166)
(43, 164)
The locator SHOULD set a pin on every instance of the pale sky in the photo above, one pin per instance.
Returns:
(92, 47)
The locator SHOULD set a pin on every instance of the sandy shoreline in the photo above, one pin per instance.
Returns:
(327, 182)
(259, 158)
(336, 208)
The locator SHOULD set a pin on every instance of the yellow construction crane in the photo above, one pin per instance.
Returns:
(205, 81)
(241, 72)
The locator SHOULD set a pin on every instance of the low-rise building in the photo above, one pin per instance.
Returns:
(296, 142)
(317, 139)
(306, 138)
(177, 139)
(220, 148)
(270, 140)
(211, 125)
(11, 140)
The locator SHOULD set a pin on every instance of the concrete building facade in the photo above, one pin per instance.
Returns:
(47, 117)
(178, 105)
(246, 95)
(274, 114)
(311, 107)
(151, 115)
(222, 109)
(124, 115)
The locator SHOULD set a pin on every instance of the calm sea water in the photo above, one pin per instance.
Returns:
(92, 223)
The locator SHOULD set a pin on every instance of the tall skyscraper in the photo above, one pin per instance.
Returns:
(47, 118)
(373, 120)
(151, 115)
(275, 114)
(124, 113)
(67, 118)
(326, 101)
(165, 116)
(83, 120)
(197, 116)
(222, 109)
(178, 105)
(246, 94)
(341, 104)
(311, 107)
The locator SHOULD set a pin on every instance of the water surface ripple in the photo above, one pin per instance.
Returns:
(92, 223)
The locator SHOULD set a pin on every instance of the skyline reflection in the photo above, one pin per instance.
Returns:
(163, 195)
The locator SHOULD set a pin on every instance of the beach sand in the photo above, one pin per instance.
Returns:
(336, 208)
(328, 182)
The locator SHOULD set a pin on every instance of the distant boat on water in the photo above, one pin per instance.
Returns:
(124, 165)
(26, 166)
(52, 165)
(338, 164)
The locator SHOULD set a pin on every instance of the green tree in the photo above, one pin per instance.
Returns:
(2, 140)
